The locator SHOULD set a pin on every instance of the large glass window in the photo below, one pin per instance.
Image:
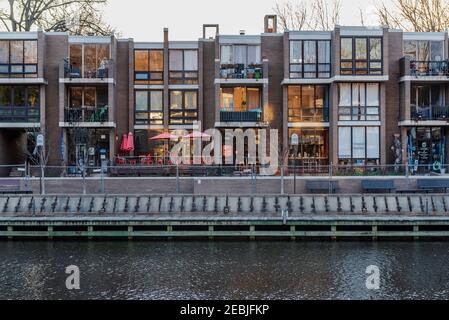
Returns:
(313, 147)
(359, 145)
(310, 59)
(18, 58)
(87, 104)
(89, 60)
(359, 102)
(361, 56)
(240, 99)
(148, 66)
(19, 104)
(308, 103)
(240, 54)
(183, 65)
(183, 106)
(149, 107)
(424, 50)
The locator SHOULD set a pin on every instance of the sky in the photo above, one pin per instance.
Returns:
(144, 20)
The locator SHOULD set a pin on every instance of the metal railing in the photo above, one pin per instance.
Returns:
(19, 114)
(177, 178)
(432, 112)
(72, 71)
(240, 71)
(86, 114)
(241, 116)
(429, 68)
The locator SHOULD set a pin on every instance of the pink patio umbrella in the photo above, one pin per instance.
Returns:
(196, 134)
(165, 136)
(124, 144)
(130, 142)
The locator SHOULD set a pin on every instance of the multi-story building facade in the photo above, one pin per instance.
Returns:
(346, 94)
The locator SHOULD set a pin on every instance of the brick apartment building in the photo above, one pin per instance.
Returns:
(346, 93)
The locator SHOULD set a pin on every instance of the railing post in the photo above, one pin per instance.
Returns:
(282, 179)
(177, 179)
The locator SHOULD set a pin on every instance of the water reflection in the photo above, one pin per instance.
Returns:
(224, 270)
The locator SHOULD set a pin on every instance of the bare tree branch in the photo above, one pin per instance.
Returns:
(415, 15)
(78, 17)
(310, 14)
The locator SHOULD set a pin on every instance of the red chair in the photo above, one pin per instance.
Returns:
(120, 160)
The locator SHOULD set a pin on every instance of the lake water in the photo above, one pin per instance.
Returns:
(224, 270)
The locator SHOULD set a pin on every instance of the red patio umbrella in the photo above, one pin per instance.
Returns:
(130, 142)
(124, 145)
(196, 134)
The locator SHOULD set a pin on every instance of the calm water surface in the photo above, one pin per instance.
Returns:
(224, 270)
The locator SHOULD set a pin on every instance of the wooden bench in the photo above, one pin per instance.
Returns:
(321, 186)
(378, 185)
(433, 184)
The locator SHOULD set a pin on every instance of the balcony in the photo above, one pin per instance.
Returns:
(86, 115)
(240, 71)
(75, 73)
(19, 115)
(241, 116)
(426, 113)
(420, 69)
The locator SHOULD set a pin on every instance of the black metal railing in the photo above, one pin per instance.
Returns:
(19, 114)
(241, 116)
(73, 71)
(429, 68)
(86, 114)
(429, 112)
(240, 71)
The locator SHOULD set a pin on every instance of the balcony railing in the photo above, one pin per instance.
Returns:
(422, 113)
(240, 71)
(19, 114)
(86, 114)
(429, 68)
(241, 116)
(104, 70)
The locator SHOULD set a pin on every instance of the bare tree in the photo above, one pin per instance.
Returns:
(78, 17)
(308, 14)
(415, 15)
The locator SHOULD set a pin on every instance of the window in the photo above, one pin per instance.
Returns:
(240, 54)
(312, 149)
(240, 99)
(87, 104)
(308, 103)
(361, 56)
(18, 58)
(148, 66)
(183, 106)
(310, 59)
(424, 50)
(19, 104)
(144, 146)
(359, 145)
(89, 60)
(183, 65)
(359, 102)
(149, 107)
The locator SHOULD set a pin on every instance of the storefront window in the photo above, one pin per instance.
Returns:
(312, 149)
(359, 145)
(426, 148)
